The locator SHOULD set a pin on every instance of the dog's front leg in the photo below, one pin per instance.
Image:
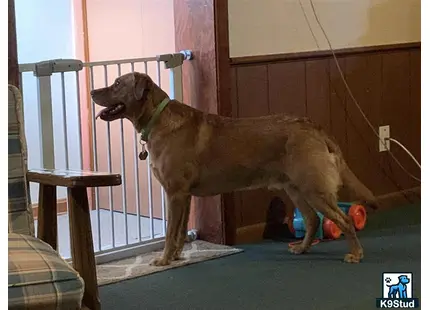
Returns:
(182, 234)
(177, 208)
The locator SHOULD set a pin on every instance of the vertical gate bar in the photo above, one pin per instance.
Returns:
(94, 137)
(78, 106)
(123, 185)
(109, 159)
(175, 77)
(66, 144)
(136, 179)
(63, 104)
(46, 122)
(163, 200)
(150, 201)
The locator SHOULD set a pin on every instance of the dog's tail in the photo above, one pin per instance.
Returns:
(349, 179)
(358, 189)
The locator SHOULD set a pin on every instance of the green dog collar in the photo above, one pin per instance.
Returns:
(145, 132)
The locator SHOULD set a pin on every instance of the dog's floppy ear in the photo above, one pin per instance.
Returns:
(140, 85)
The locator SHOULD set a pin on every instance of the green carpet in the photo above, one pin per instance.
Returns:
(265, 276)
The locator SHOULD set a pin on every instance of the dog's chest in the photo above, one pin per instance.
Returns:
(157, 172)
(166, 170)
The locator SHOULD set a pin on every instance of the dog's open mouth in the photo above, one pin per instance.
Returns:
(111, 113)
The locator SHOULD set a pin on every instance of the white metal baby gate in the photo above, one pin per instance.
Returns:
(60, 123)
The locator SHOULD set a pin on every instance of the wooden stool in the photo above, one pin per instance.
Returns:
(81, 236)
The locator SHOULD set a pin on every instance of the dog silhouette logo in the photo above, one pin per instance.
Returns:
(397, 291)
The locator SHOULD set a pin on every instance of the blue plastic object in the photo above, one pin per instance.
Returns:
(299, 224)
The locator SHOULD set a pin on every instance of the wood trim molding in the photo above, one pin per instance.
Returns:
(222, 46)
(202, 27)
(392, 200)
(250, 234)
(61, 207)
(86, 54)
(82, 47)
(261, 59)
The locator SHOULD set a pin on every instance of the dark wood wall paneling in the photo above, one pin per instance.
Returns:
(385, 81)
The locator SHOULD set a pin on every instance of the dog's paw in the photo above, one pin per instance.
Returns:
(297, 249)
(178, 257)
(351, 258)
(159, 262)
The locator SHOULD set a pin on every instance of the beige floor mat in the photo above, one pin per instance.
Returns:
(133, 267)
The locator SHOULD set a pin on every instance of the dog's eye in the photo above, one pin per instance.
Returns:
(117, 83)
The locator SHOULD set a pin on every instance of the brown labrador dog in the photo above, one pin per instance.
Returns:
(198, 154)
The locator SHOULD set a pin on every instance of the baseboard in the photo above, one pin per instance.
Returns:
(250, 233)
(61, 207)
(133, 213)
(400, 198)
(255, 232)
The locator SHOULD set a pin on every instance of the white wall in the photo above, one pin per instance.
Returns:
(123, 30)
(45, 31)
(261, 27)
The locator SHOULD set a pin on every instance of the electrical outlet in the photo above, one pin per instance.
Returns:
(384, 135)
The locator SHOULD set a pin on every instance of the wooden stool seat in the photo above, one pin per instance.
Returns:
(73, 178)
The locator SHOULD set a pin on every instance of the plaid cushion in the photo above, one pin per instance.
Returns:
(39, 278)
(20, 210)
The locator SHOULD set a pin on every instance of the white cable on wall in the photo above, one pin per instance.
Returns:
(351, 94)
(406, 150)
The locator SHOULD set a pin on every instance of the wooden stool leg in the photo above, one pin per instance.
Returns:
(47, 215)
(82, 244)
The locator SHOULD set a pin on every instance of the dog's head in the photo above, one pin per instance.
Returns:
(404, 279)
(128, 97)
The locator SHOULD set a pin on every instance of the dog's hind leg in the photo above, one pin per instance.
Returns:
(310, 217)
(177, 207)
(327, 205)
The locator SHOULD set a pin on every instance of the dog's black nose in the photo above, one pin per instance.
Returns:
(92, 92)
